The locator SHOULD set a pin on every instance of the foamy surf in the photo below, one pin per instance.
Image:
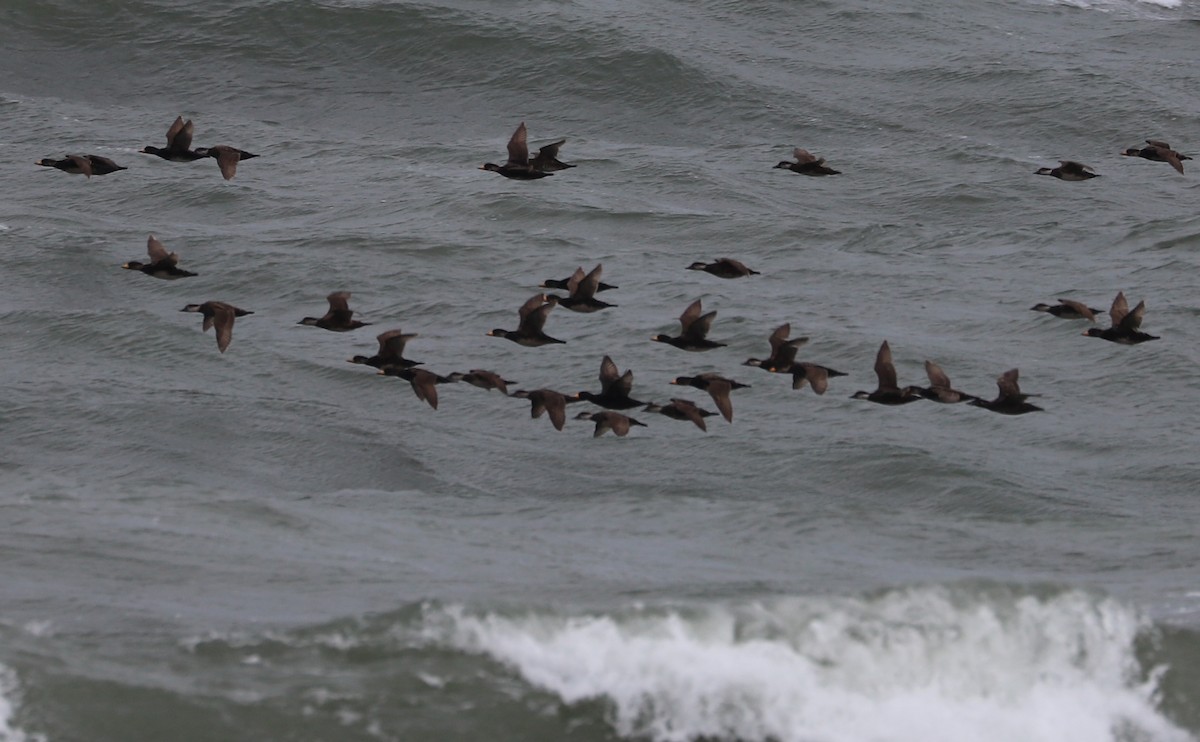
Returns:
(9, 694)
(921, 664)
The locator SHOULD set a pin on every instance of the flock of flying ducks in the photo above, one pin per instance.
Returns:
(616, 387)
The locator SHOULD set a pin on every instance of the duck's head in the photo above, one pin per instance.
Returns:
(133, 265)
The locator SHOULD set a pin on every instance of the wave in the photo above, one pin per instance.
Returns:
(912, 664)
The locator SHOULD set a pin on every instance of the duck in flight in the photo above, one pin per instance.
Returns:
(339, 318)
(807, 164)
(220, 315)
(87, 165)
(1126, 325)
(532, 315)
(888, 392)
(1010, 400)
(1158, 151)
(162, 264)
(519, 166)
(693, 330)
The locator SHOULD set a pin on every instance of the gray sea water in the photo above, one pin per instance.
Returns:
(275, 544)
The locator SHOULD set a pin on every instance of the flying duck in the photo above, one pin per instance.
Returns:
(391, 351)
(614, 388)
(227, 158)
(424, 383)
(1068, 309)
(1158, 151)
(548, 401)
(1125, 324)
(518, 165)
(533, 318)
(179, 143)
(807, 164)
(723, 268)
(783, 351)
(717, 386)
(682, 409)
(608, 420)
(583, 290)
(939, 389)
(88, 165)
(483, 379)
(162, 264)
(221, 315)
(1010, 400)
(888, 392)
(693, 330)
(339, 318)
(1068, 170)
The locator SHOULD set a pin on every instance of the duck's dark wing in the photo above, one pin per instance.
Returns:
(689, 316)
(104, 162)
(1119, 309)
(802, 156)
(546, 155)
(1171, 156)
(518, 148)
(585, 288)
(555, 405)
(1082, 309)
(392, 342)
(884, 369)
(690, 412)
(1133, 320)
(719, 390)
(1007, 382)
(608, 374)
(574, 280)
(1158, 143)
(937, 377)
(222, 319)
(158, 253)
(179, 136)
(227, 159)
(536, 320)
(816, 376)
(618, 423)
(530, 304)
(779, 337)
(339, 307)
(424, 384)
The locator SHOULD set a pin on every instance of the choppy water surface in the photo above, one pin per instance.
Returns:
(275, 544)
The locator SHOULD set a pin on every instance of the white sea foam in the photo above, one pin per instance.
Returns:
(9, 696)
(919, 664)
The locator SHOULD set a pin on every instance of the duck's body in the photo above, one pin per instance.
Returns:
(220, 315)
(87, 165)
(339, 318)
(723, 268)
(939, 389)
(179, 143)
(518, 166)
(424, 383)
(683, 409)
(717, 386)
(888, 392)
(162, 264)
(1125, 324)
(1158, 151)
(693, 330)
(607, 420)
(614, 388)
(391, 351)
(1068, 170)
(532, 319)
(1010, 401)
(807, 164)
(546, 401)
(227, 158)
(583, 288)
(483, 379)
(1068, 309)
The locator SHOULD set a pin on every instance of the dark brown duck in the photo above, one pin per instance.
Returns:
(162, 264)
(339, 318)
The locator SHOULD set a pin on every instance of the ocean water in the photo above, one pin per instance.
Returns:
(275, 544)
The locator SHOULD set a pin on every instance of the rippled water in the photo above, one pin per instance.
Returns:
(272, 543)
